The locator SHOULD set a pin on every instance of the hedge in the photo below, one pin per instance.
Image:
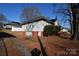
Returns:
(51, 30)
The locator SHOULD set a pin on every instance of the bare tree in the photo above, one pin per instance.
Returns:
(2, 17)
(65, 11)
(2, 20)
(71, 14)
(29, 14)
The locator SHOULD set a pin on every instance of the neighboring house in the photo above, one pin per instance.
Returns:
(7, 26)
(14, 26)
(64, 30)
(35, 27)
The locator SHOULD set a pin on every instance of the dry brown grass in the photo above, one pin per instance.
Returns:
(58, 46)
(53, 45)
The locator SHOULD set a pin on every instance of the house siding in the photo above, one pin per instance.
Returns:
(33, 29)
(16, 29)
(36, 26)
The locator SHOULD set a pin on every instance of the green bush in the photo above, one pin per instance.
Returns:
(51, 30)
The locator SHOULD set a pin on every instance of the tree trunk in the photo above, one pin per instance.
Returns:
(75, 22)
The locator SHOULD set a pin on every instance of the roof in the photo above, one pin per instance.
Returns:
(39, 19)
(53, 20)
(16, 22)
(13, 24)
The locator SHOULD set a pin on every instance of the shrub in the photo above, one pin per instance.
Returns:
(51, 30)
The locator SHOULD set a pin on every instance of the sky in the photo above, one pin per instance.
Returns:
(12, 11)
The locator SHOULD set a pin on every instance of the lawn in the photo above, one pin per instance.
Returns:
(6, 30)
(53, 45)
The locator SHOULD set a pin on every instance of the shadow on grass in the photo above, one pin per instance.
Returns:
(42, 48)
(5, 35)
(2, 36)
(62, 36)
(37, 52)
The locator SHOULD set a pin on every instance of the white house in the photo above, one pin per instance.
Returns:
(7, 26)
(64, 30)
(16, 26)
(35, 27)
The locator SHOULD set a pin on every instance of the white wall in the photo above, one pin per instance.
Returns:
(27, 27)
(36, 26)
(16, 29)
(39, 26)
(7, 26)
(28, 33)
(64, 30)
(56, 23)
